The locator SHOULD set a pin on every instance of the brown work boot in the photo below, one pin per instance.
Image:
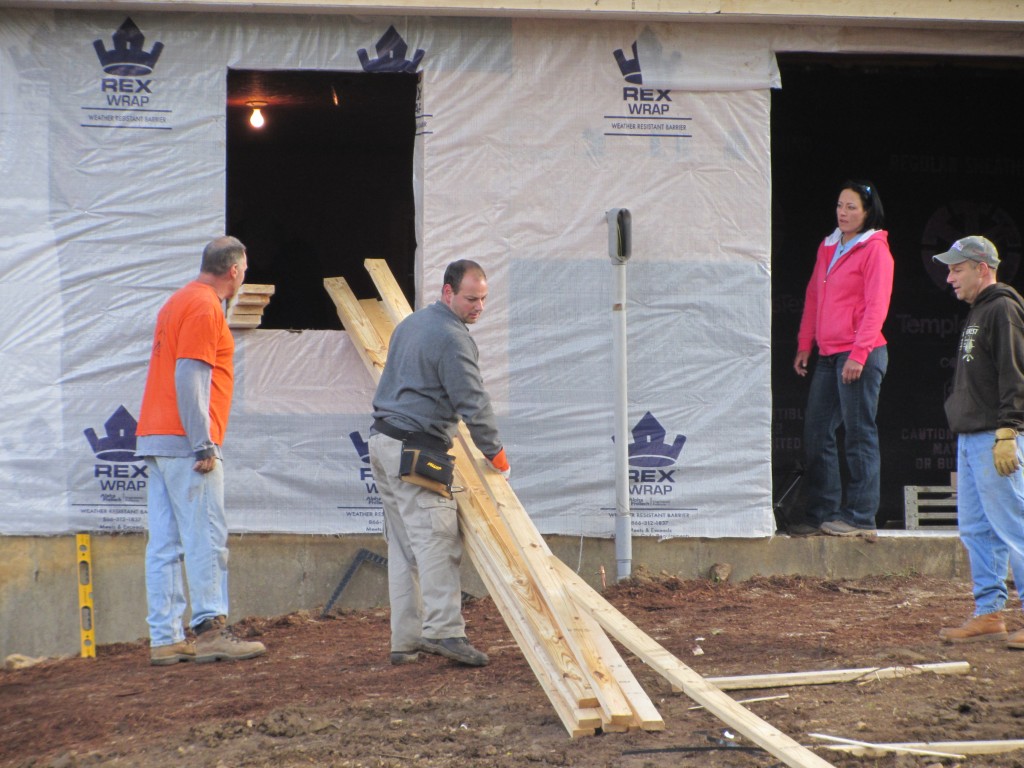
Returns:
(214, 642)
(162, 655)
(455, 648)
(1016, 640)
(989, 626)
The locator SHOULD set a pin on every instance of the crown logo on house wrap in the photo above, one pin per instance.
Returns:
(649, 448)
(119, 444)
(361, 446)
(630, 68)
(127, 58)
(391, 51)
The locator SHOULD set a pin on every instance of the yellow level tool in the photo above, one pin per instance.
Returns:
(85, 613)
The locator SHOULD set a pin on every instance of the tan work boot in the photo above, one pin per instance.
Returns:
(214, 642)
(989, 626)
(162, 655)
(1016, 640)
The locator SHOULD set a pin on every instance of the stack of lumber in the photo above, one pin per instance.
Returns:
(563, 626)
(245, 310)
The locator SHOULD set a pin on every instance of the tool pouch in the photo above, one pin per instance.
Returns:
(427, 468)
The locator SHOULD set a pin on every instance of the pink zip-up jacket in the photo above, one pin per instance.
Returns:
(844, 309)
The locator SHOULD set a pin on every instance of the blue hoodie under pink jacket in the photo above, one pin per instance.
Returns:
(845, 307)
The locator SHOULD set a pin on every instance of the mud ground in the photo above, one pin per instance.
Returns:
(325, 694)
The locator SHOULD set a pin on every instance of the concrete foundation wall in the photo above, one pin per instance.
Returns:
(273, 575)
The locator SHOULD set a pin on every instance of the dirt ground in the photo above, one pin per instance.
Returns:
(325, 694)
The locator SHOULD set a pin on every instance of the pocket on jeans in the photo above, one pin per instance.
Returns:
(444, 519)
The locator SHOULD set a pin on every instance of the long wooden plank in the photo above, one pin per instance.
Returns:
(826, 676)
(256, 289)
(246, 310)
(244, 322)
(645, 714)
(693, 685)
(948, 748)
(622, 698)
(378, 318)
(487, 484)
(366, 340)
(475, 507)
(396, 305)
(583, 655)
(565, 685)
(869, 745)
(251, 300)
(577, 721)
(696, 687)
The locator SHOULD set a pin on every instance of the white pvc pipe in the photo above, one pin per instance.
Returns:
(623, 516)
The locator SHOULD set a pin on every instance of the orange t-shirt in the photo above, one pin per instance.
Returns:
(190, 325)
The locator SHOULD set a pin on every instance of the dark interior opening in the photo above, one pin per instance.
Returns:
(938, 138)
(326, 183)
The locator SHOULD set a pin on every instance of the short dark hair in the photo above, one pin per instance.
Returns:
(221, 254)
(874, 213)
(457, 270)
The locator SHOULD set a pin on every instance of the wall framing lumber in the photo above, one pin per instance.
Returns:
(558, 620)
(824, 677)
(692, 684)
(947, 748)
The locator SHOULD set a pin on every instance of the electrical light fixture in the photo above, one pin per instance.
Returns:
(256, 119)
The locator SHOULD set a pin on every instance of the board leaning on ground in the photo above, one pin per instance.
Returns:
(562, 625)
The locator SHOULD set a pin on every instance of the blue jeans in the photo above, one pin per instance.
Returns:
(990, 510)
(186, 520)
(829, 404)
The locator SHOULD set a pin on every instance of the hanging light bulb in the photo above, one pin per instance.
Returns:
(256, 119)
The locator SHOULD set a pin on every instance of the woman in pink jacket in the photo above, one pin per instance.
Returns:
(846, 303)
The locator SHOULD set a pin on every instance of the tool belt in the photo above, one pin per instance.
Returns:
(428, 469)
(425, 460)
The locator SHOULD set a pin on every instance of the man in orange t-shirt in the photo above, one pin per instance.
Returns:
(181, 429)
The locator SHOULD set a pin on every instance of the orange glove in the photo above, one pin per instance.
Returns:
(500, 463)
(1004, 452)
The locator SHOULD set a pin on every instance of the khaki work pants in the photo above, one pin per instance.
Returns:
(424, 553)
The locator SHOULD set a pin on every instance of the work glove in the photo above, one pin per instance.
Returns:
(500, 462)
(1004, 452)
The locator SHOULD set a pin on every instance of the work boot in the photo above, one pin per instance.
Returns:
(989, 626)
(214, 641)
(1016, 640)
(843, 528)
(162, 655)
(455, 648)
(404, 657)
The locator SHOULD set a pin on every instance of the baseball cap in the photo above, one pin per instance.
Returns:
(975, 248)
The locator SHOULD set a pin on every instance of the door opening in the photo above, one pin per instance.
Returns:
(934, 135)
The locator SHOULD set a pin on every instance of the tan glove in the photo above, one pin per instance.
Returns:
(1004, 452)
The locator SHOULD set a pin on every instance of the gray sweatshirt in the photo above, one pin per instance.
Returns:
(432, 379)
(988, 383)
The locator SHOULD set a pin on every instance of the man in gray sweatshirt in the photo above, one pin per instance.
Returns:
(431, 380)
(986, 410)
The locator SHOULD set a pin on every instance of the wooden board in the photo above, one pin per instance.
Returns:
(557, 619)
(826, 676)
(257, 288)
(245, 310)
(508, 586)
(365, 339)
(693, 685)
